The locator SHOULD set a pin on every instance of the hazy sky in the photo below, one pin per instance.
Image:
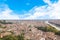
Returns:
(29, 9)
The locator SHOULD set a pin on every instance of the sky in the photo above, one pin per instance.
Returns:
(29, 9)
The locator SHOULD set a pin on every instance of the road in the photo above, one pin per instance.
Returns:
(52, 25)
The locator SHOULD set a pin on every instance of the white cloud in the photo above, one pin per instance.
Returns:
(50, 11)
(47, 1)
(6, 13)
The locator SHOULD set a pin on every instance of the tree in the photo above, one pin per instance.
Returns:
(57, 33)
(9, 37)
(21, 36)
(49, 29)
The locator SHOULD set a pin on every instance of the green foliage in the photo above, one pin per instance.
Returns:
(11, 32)
(29, 26)
(29, 29)
(21, 36)
(2, 27)
(57, 33)
(11, 37)
(29, 39)
(49, 29)
(0, 38)
(41, 28)
(4, 22)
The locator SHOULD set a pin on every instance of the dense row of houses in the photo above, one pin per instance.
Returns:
(30, 32)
